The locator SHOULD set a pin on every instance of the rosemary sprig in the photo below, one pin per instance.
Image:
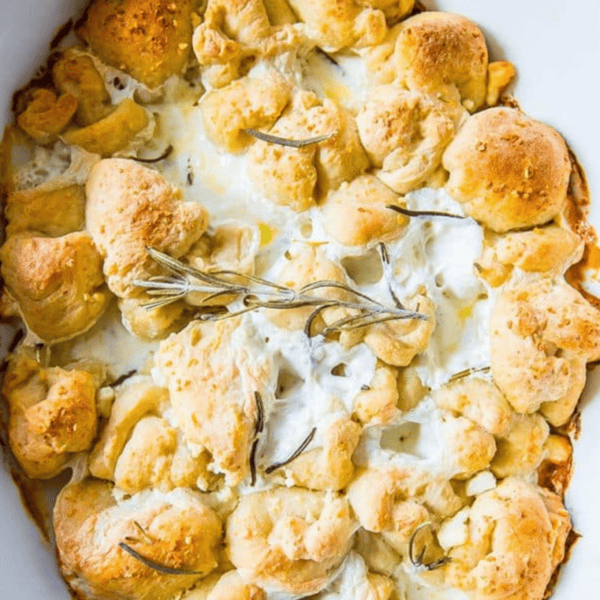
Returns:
(256, 293)
(258, 428)
(417, 561)
(281, 141)
(422, 213)
(301, 448)
(155, 566)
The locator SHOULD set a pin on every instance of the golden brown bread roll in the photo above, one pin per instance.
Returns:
(335, 24)
(245, 103)
(289, 540)
(235, 34)
(394, 10)
(509, 171)
(288, 176)
(138, 449)
(57, 283)
(131, 207)
(379, 403)
(467, 447)
(52, 414)
(229, 586)
(405, 134)
(52, 212)
(129, 122)
(548, 249)
(329, 467)
(231, 246)
(298, 177)
(521, 446)
(478, 400)
(395, 500)
(153, 324)
(149, 39)
(395, 342)
(46, 115)
(212, 381)
(542, 335)
(174, 530)
(357, 215)
(76, 74)
(515, 539)
(442, 53)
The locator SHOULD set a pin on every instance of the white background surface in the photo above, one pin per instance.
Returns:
(555, 46)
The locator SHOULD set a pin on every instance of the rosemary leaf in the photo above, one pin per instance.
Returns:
(417, 561)
(253, 450)
(281, 141)
(143, 532)
(121, 378)
(260, 419)
(165, 154)
(327, 283)
(301, 448)
(467, 372)
(422, 213)
(359, 321)
(311, 318)
(155, 566)
(385, 259)
(163, 302)
(328, 56)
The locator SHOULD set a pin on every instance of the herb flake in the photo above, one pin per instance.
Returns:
(155, 566)
(168, 151)
(301, 448)
(281, 141)
(417, 561)
(423, 213)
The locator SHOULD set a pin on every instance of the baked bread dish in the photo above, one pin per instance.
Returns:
(301, 319)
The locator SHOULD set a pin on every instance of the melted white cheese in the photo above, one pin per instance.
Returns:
(343, 81)
(111, 344)
(413, 587)
(421, 445)
(351, 583)
(309, 394)
(440, 254)
(38, 165)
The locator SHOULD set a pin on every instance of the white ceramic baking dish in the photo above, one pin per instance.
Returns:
(556, 48)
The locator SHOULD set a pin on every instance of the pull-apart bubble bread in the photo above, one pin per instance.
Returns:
(302, 306)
